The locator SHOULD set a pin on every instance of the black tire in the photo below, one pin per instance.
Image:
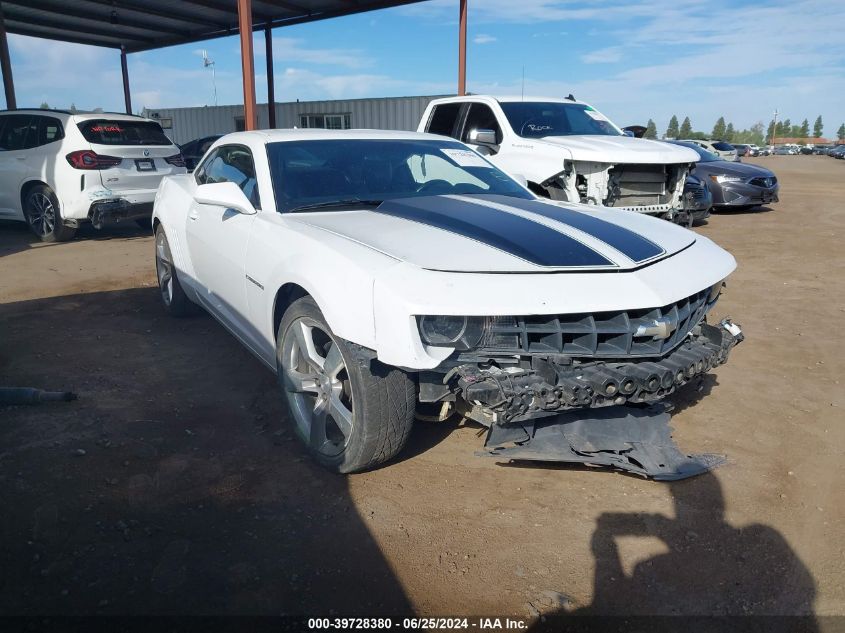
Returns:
(43, 215)
(381, 399)
(173, 297)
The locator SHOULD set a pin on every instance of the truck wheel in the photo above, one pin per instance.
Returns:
(350, 411)
(42, 213)
(176, 303)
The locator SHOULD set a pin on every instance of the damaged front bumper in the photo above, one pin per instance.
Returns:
(517, 405)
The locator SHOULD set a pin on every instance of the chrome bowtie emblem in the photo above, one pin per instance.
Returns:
(661, 328)
(146, 152)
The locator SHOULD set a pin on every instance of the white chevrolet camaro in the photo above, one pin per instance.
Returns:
(388, 274)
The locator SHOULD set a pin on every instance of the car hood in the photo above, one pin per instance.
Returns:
(621, 149)
(729, 168)
(504, 234)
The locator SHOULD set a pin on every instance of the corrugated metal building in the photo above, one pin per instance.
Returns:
(388, 113)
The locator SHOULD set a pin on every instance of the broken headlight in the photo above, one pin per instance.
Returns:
(462, 333)
(715, 291)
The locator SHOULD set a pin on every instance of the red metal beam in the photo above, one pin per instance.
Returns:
(462, 49)
(124, 70)
(271, 84)
(247, 64)
(6, 66)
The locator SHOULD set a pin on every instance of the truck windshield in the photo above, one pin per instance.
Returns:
(317, 174)
(534, 119)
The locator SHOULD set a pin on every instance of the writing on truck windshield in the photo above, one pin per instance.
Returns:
(105, 132)
(534, 119)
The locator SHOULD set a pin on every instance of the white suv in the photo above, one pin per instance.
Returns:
(59, 169)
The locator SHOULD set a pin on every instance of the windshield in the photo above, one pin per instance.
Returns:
(722, 146)
(105, 132)
(535, 119)
(311, 173)
(704, 155)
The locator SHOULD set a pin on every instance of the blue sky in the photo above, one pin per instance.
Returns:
(701, 58)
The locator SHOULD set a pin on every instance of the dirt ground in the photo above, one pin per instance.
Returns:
(174, 485)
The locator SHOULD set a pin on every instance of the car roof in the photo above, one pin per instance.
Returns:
(507, 99)
(80, 116)
(313, 134)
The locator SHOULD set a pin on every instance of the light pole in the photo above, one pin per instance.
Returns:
(206, 62)
(774, 129)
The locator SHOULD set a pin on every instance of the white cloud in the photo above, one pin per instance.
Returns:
(483, 38)
(287, 50)
(609, 55)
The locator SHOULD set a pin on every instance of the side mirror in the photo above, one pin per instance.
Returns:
(224, 194)
(483, 137)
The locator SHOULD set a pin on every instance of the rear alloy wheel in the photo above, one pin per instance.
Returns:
(41, 210)
(350, 411)
(176, 303)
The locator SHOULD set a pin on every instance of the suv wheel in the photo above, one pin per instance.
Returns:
(42, 213)
(351, 411)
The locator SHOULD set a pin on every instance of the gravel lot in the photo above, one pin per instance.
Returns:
(175, 486)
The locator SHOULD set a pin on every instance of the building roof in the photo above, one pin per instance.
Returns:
(139, 25)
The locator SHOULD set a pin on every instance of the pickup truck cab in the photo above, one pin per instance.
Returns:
(567, 150)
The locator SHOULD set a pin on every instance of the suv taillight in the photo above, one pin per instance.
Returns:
(86, 159)
(177, 160)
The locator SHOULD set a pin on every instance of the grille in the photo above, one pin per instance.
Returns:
(603, 334)
(771, 181)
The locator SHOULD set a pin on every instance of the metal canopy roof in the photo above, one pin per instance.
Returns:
(140, 25)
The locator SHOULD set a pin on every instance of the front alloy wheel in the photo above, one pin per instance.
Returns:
(351, 411)
(176, 303)
(318, 388)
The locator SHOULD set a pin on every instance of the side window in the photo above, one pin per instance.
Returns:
(49, 129)
(481, 117)
(199, 172)
(19, 132)
(443, 119)
(233, 163)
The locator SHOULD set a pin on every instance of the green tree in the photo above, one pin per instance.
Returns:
(840, 133)
(686, 128)
(73, 108)
(786, 129)
(44, 105)
(730, 133)
(770, 130)
(650, 130)
(672, 130)
(719, 128)
(818, 127)
(804, 130)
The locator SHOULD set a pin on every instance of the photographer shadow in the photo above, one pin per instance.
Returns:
(711, 569)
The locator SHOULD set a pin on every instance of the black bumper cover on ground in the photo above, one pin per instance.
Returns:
(630, 439)
(116, 211)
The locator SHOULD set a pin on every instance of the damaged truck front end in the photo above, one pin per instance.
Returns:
(586, 388)
(655, 189)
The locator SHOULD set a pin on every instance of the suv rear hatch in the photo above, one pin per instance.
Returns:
(133, 154)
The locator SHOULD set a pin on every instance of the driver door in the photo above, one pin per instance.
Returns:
(217, 238)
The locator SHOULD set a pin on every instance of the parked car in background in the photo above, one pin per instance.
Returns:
(566, 150)
(755, 149)
(742, 149)
(805, 150)
(837, 152)
(734, 185)
(723, 150)
(784, 151)
(370, 271)
(192, 151)
(822, 150)
(59, 169)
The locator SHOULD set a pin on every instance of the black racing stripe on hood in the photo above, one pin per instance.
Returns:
(626, 241)
(507, 232)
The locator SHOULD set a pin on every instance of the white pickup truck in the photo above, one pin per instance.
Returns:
(567, 150)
